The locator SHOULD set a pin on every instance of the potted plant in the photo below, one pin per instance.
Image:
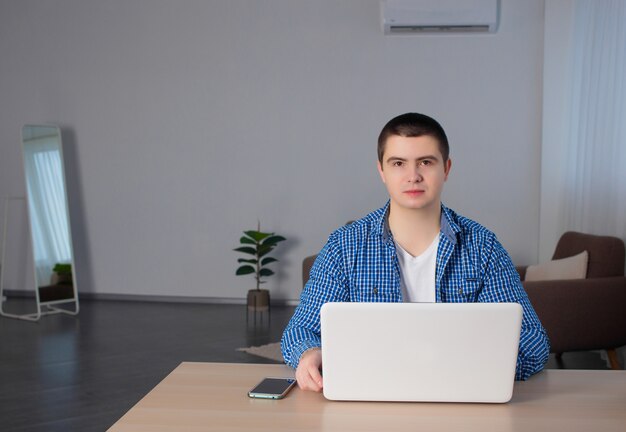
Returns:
(61, 274)
(257, 245)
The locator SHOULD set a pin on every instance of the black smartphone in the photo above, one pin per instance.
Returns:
(272, 388)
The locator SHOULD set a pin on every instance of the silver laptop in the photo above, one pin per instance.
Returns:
(422, 352)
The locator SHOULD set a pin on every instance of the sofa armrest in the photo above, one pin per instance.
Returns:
(581, 314)
(307, 264)
(522, 271)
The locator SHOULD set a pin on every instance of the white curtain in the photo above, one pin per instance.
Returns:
(48, 213)
(595, 152)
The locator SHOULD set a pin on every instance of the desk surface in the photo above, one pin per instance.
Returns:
(213, 397)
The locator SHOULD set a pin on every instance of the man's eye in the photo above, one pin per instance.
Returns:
(427, 162)
(397, 163)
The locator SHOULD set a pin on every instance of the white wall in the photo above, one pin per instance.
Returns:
(188, 120)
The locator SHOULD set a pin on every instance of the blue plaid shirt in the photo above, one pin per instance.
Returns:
(359, 264)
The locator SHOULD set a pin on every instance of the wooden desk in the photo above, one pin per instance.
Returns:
(213, 397)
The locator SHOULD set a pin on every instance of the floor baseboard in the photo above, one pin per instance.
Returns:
(154, 298)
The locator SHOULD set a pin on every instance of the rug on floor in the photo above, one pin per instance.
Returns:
(270, 351)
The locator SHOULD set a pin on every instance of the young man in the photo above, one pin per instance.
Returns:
(413, 249)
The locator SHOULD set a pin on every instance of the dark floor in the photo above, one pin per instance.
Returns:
(83, 373)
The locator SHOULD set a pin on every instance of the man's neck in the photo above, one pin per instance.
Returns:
(415, 229)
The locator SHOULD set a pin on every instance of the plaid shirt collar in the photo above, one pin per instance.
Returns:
(449, 227)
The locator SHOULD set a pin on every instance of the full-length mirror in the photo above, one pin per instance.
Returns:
(50, 229)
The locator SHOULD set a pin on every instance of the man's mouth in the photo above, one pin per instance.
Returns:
(414, 192)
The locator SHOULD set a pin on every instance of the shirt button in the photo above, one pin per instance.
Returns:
(460, 291)
(375, 291)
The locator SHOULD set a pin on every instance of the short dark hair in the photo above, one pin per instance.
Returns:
(413, 125)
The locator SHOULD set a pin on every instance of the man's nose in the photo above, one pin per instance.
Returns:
(415, 175)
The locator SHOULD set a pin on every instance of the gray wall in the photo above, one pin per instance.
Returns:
(186, 121)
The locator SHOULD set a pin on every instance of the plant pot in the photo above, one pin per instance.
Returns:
(60, 279)
(258, 300)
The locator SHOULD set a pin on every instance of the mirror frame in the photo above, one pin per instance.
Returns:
(48, 297)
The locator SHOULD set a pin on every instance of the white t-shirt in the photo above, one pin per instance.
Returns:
(417, 278)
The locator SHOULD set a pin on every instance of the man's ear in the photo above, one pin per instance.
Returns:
(447, 168)
(380, 171)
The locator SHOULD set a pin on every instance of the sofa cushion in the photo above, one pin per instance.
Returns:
(574, 267)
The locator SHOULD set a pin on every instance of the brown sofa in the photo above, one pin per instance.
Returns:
(584, 314)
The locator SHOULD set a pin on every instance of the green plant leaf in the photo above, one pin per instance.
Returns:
(246, 249)
(63, 269)
(266, 272)
(250, 261)
(266, 261)
(264, 250)
(257, 235)
(244, 270)
(264, 247)
(273, 240)
(246, 240)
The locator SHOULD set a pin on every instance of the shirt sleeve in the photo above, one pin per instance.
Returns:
(502, 284)
(327, 283)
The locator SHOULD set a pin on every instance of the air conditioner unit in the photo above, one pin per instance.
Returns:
(439, 16)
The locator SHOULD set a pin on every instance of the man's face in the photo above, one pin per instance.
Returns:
(413, 171)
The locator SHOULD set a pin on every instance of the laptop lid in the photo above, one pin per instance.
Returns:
(429, 352)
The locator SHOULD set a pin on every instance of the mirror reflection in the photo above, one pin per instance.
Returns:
(46, 192)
